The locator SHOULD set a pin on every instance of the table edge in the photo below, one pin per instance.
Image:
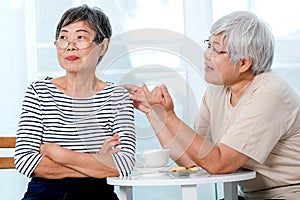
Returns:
(194, 180)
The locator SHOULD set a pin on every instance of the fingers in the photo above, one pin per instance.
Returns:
(145, 89)
(42, 149)
(113, 141)
(138, 95)
(166, 95)
(110, 145)
(130, 87)
(155, 96)
(115, 150)
(47, 146)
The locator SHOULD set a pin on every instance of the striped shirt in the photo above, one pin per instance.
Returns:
(79, 124)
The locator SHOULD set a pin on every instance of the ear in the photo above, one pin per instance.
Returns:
(104, 45)
(245, 64)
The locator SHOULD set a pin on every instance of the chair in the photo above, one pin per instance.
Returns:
(8, 143)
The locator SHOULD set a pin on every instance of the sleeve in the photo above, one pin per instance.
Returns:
(124, 126)
(259, 125)
(29, 134)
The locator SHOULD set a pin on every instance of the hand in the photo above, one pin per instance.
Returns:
(167, 101)
(110, 145)
(138, 96)
(131, 88)
(159, 96)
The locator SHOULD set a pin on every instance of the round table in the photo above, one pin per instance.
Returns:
(188, 184)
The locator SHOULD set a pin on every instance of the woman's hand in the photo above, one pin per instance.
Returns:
(55, 152)
(110, 145)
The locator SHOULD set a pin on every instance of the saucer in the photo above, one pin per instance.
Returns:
(150, 170)
(187, 173)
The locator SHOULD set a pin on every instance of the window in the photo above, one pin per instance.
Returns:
(124, 16)
(284, 20)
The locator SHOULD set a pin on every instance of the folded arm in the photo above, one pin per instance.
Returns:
(99, 165)
(49, 169)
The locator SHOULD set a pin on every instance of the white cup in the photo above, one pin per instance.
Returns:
(153, 158)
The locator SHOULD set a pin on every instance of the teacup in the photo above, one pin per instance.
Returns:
(153, 158)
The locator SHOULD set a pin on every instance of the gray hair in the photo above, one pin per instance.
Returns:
(247, 36)
(95, 18)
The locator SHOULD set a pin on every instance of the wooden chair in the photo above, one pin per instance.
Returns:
(8, 143)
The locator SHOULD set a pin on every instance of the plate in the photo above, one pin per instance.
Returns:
(187, 173)
(150, 170)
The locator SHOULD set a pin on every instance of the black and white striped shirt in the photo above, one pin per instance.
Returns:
(79, 124)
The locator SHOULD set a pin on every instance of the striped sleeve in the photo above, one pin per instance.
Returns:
(124, 126)
(29, 134)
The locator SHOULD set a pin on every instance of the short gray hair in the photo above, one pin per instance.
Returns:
(95, 17)
(247, 36)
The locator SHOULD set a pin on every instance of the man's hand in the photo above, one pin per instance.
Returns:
(138, 96)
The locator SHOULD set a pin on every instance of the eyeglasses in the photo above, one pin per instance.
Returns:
(79, 43)
(213, 50)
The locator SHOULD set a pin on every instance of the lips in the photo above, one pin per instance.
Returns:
(72, 58)
(210, 68)
(207, 67)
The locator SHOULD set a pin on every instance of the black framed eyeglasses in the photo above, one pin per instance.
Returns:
(213, 50)
(79, 43)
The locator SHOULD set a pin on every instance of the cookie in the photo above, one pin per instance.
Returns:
(178, 169)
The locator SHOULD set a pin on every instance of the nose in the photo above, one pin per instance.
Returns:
(71, 46)
(207, 54)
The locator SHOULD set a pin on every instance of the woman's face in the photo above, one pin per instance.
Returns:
(218, 69)
(76, 50)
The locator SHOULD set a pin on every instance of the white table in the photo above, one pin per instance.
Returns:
(188, 184)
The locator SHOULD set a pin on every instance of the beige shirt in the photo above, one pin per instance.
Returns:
(264, 125)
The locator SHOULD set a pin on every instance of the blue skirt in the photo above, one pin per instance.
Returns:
(69, 189)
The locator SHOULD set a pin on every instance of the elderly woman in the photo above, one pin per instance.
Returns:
(69, 124)
(249, 118)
